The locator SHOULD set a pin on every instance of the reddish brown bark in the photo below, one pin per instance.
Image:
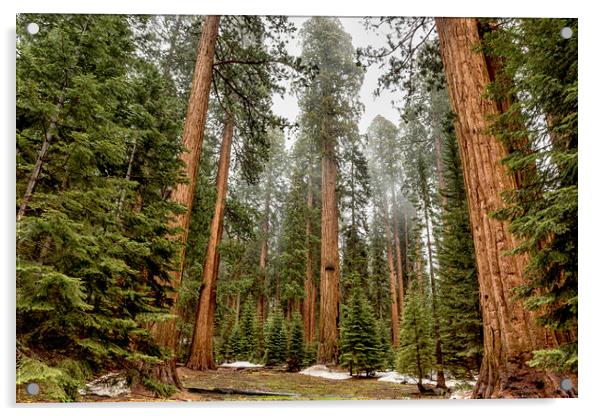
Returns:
(400, 288)
(393, 290)
(309, 282)
(263, 258)
(164, 332)
(201, 351)
(510, 333)
(329, 258)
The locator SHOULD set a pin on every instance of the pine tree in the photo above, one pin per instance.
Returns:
(361, 348)
(276, 340)
(461, 322)
(93, 246)
(296, 346)
(415, 355)
(249, 332)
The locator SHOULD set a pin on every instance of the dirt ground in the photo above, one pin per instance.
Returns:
(268, 380)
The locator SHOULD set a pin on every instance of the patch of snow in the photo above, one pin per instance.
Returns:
(109, 385)
(452, 382)
(395, 377)
(241, 364)
(325, 372)
(461, 395)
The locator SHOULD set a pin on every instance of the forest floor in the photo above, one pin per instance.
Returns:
(299, 386)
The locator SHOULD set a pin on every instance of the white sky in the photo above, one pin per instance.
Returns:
(361, 37)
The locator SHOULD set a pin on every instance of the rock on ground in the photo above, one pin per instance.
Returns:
(109, 385)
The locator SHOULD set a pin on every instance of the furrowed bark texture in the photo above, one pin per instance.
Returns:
(165, 332)
(400, 288)
(201, 349)
(510, 332)
(329, 256)
(308, 301)
(393, 290)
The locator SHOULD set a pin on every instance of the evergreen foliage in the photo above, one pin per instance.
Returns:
(92, 247)
(415, 355)
(296, 347)
(276, 340)
(461, 322)
(361, 348)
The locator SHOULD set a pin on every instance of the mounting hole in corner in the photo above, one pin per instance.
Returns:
(33, 388)
(566, 32)
(566, 384)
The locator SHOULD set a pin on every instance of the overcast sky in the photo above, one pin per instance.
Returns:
(361, 37)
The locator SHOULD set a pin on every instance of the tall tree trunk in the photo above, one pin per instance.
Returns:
(201, 348)
(312, 313)
(309, 268)
(393, 290)
(37, 167)
(406, 241)
(434, 300)
(329, 258)
(510, 332)
(164, 332)
(263, 258)
(400, 289)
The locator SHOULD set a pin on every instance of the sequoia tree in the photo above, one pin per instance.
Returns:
(165, 332)
(510, 330)
(328, 105)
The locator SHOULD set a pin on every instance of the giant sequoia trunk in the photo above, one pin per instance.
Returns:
(201, 349)
(329, 256)
(400, 290)
(392, 289)
(164, 332)
(308, 300)
(510, 332)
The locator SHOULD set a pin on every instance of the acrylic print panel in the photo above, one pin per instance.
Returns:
(221, 208)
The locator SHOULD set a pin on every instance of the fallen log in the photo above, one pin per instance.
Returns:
(239, 391)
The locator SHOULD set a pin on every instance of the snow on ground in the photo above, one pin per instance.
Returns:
(461, 395)
(241, 364)
(395, 377)
(450, 382)
(325, 372)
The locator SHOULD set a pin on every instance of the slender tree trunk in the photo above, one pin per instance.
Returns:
(37, 167)
(400, 288)
(263, 257)
(406, 241)
(329, 258)
(418, 267)
(128, 175)
(393, 291)
(201, 352)
(437, 324)
(309, 268)
(510, 331)
(165, 332)
(312, 311)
